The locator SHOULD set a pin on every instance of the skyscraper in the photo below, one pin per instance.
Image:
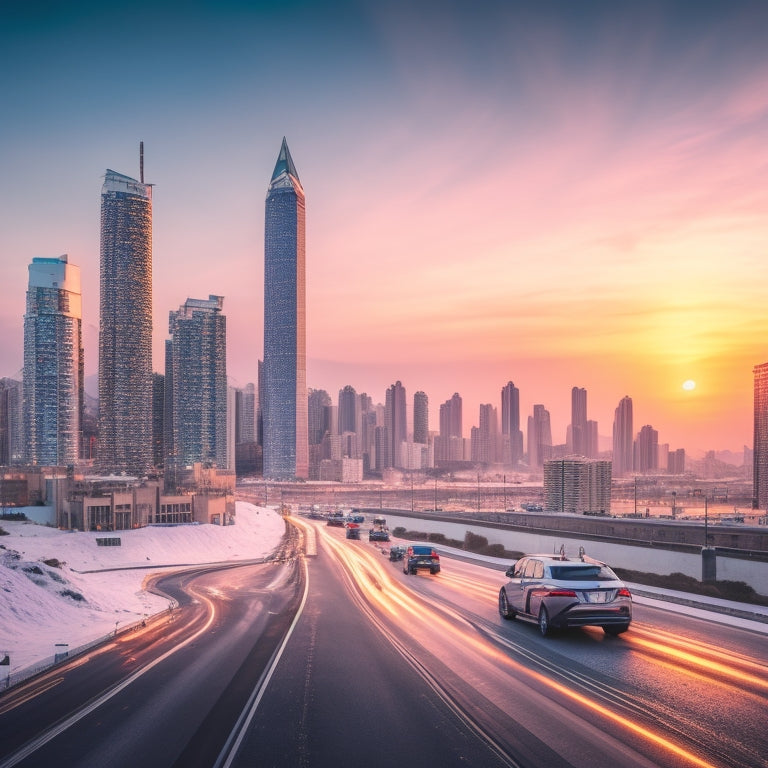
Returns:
(647, 449)
(247, 408)
(760, 451)
(318, 401)
(421, 418)
(449, 446)
(623, 432)
(198, 384)
(349, 410)
(579, 421)
(53, 362)
(125, 332)
(510, 424)
(539, 437)
(286, 451)
(11, 426)
(395, 422)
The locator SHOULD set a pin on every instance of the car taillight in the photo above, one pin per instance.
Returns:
(623, 592)
(561, 593)
(435, 557)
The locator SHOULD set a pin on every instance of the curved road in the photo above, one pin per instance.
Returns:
(382, 669)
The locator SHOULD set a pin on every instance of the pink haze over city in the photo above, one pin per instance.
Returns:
(573, 195)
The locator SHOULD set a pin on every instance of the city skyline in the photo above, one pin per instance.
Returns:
(559, 198)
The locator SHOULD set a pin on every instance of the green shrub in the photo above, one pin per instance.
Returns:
(473, 542)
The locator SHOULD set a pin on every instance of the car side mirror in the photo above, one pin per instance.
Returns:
(510, 572)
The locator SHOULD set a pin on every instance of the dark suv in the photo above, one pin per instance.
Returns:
(418, 557)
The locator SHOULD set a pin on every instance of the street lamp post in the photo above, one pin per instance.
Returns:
(706, 522)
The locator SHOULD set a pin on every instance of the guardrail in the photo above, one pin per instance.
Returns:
(14, 678)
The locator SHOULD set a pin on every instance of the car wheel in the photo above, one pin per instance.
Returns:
(615, 629)
(544, 627)
(504, 610)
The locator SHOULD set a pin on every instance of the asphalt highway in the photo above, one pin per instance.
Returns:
(329, 655)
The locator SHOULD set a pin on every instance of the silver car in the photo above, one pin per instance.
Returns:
(556, 592)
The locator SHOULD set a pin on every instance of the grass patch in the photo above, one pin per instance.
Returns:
(738, 591)
(471, 543)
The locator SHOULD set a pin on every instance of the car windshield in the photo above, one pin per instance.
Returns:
(582, 573)
(422, 550)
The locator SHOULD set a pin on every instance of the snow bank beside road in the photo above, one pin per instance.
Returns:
(80, 600)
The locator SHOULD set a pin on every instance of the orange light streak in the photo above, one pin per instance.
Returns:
(388, 593)
(699, 661)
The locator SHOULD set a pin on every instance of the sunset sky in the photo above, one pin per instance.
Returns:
(558, 194)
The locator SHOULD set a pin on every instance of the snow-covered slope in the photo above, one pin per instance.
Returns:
(55, 586)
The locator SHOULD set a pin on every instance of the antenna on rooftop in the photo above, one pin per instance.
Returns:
(141, 162)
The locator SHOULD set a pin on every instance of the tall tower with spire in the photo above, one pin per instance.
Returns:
(125, 331)
(286, 451)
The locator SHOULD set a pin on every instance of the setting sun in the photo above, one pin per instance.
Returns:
(689, 385)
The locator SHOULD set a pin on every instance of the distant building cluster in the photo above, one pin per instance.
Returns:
(184, 434)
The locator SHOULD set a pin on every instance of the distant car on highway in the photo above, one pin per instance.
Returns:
(557, 592)
(378, 534)
(396, 552)
(421, 557)
(353, 531)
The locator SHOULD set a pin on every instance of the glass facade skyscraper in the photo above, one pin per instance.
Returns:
(53, 363)
(286, 449)
(510, 424)
(125, 331)
(421, 418)
(623, 438)
(196, 381)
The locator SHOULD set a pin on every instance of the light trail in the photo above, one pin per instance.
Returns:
(380, 588)
(703, 662)
(31, 694)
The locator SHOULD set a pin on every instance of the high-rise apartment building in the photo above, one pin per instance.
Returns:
(318, 402)
(647, 450)
(451, 424)
(395, 422)
(286, 448)
(623, 432)
(577, 485)
(485, 437)
(592, 444)
(246, 414)
(125, 331)
(421, 418)
(349, 410)
(510, 425)
(158, 419)
(760, 449)
(449, 444)
(11, 428)
(578, 443)
(53, 363)
(198, 385)
(539, 437)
